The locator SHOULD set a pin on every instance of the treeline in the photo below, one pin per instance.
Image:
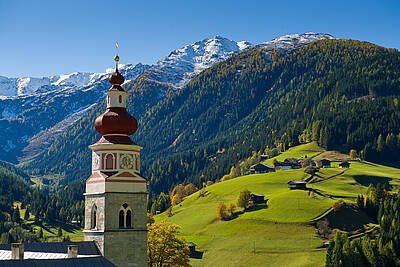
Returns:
(382, 149)
(382, 249)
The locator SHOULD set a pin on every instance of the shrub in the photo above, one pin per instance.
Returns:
(226, 177)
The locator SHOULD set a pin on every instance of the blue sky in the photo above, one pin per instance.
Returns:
(39, 38)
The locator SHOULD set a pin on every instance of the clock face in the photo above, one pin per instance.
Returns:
(126, 161)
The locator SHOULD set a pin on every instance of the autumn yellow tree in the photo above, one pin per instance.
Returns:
(164, 247)
(176, 199)
(190, 189)
(150, 218)
(244, 199)
(353, 154)
(178, 190)
(222, 214)
(231, 208)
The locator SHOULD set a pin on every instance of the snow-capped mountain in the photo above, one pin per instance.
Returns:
(56, 100)
(185, 63)
(293, 41)
(34, 111)
(28, 85)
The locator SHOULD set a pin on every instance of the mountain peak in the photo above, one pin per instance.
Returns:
(292, 41)
(183, 64)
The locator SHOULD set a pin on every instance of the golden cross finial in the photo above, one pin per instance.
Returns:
(116, 58)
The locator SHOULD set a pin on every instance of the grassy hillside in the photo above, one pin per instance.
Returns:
(310, 150)
(279, 233)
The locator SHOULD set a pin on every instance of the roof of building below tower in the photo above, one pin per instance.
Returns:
(69, 262)
(55, 254)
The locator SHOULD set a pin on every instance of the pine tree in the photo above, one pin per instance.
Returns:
(27, 214)
(59, 233)
(380, 144)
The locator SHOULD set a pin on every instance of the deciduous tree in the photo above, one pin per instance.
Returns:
(222, 214)
(164, 247)
(244, 200)
(353, 154)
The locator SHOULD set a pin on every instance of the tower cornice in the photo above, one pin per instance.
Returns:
(120, 147)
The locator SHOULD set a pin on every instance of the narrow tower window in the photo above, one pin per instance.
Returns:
(109, 162)
(94, 217)
(128, 219)
(120, 99)
(121, 219)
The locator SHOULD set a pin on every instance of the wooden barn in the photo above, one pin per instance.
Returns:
(344, 164)
(261, 168)
(258, 198)
(324, 163)
(297, 184)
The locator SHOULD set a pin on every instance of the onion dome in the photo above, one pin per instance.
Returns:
(116, 120)
(116, 78)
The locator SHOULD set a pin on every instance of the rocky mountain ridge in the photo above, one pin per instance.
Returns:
(30, 108)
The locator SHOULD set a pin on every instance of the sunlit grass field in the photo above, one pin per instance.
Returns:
(50, 229)
(279, 233)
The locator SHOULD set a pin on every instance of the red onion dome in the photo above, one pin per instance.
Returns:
(116, 78)
(116, 120)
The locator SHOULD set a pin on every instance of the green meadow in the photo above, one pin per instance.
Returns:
(280, 233)
(50, 229)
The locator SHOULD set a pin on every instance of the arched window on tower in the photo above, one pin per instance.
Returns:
(94, 217)
(121, 218)
(128, 219)
(120, 99)
(125, 216)
(109, 162)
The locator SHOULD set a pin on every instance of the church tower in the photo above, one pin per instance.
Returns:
(116, 193)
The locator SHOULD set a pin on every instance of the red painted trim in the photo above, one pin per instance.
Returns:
(93, 181)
